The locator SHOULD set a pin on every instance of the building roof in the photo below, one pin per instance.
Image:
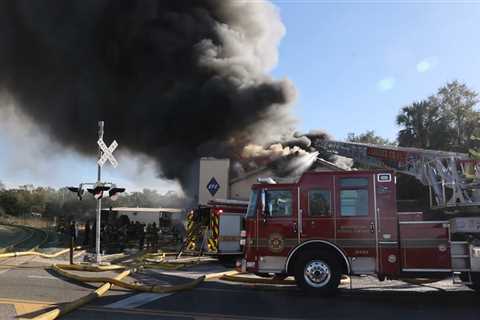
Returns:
(322, 162)
(147, 210)
(250, 173)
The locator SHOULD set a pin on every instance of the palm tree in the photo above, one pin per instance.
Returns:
(423, 126)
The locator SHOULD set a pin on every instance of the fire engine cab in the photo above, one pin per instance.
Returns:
(330, 224)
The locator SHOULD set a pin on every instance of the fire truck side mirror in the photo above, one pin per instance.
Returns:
(262, 202)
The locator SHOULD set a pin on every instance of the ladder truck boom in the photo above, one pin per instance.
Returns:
(439, 170)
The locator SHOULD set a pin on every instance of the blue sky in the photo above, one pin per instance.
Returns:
(354, 64)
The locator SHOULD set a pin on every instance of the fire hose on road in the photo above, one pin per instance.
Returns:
(118, 280)
(126, 285)
(34, 253)
(109, 282)
(69, 307)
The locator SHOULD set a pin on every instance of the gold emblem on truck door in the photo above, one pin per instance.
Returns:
(276, 242)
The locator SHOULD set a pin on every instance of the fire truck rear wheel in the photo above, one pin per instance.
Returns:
(317, 273)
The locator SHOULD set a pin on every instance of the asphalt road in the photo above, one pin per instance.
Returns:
(18, 238)
(10, 234)
(31, 287)
(369, 299)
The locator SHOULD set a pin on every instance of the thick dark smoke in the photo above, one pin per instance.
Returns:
(172, 79)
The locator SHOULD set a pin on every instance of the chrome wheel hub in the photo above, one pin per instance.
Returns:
(317, 273)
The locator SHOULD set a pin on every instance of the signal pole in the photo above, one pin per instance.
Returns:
(99, 201)
(100, 189)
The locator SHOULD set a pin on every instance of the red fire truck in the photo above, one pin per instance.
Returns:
(329, 224)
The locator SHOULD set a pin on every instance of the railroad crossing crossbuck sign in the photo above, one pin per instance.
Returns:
(107, 153)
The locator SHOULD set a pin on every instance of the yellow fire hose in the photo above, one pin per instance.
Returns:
(108, 282)
(235, 278)
(219, 275)
(126, 285)
(174, 264)
(69, 307)
(89, 268)
(34, 253)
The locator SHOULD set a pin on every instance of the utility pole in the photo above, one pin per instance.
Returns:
(99, 201)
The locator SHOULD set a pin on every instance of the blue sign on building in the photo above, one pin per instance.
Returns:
(213, 186)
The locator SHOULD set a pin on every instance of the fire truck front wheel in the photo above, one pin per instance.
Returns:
(317, 273)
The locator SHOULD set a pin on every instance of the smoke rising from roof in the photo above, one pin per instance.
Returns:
(290, 156)
(173, 80)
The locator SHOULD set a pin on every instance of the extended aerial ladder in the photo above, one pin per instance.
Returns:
(452, 178)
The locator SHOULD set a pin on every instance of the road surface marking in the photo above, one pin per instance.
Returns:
(137, 300)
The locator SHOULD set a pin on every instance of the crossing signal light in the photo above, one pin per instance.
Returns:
(113, 193)
(101, 192)
(79, 191)
(98, 191)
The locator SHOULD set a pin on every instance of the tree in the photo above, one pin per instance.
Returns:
(447, 120)
(424, 126)
(368, 136)
(457, 103)
(2, 186)
(9, 203)
(63, 202)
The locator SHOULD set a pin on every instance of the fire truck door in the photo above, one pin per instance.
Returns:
(356, 221)
(277, 228)
(317, 211)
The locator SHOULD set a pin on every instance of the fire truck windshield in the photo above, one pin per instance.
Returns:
(252, 204)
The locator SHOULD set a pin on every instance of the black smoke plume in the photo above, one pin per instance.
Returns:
(172, 79)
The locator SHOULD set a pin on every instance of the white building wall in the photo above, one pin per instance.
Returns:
(210, 170)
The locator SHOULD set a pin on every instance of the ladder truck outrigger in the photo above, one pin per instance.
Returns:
(329, 224)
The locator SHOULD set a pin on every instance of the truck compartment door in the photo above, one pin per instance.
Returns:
(356, 221)
(230, 227)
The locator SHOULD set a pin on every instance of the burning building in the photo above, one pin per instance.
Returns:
(216, 178)
(173, 80)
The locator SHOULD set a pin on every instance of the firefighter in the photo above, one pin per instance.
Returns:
(94, 234)
(140, 234)
(131, 228)
(155, 236)
(86, 239)
(179, 232)
(73, 231)
(149, 235)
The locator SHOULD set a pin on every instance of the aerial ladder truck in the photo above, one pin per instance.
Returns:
(329, 224)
